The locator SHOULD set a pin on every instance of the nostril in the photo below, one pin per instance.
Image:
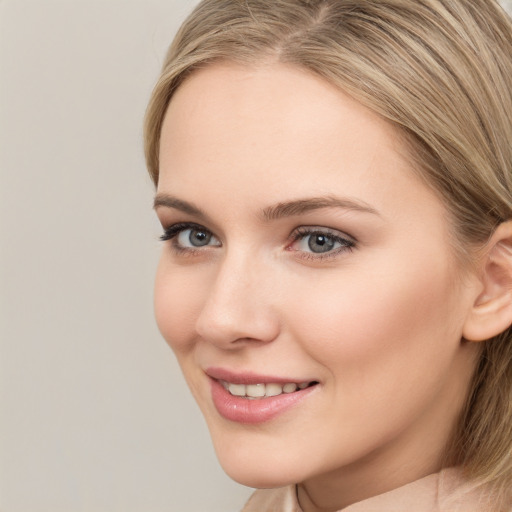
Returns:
(236, 326)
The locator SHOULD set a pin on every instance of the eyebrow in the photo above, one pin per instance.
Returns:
(301, 206)
(177, 204)
(278, 211)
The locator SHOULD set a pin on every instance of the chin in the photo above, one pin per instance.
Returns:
(258, 467)
(259, 477)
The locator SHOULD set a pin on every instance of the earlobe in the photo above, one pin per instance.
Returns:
(491, 312)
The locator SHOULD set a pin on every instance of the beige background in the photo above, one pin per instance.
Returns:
(94, 415)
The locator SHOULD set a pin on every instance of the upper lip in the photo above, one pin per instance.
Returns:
(249, 377)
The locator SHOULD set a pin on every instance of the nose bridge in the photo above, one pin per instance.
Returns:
(239, 303)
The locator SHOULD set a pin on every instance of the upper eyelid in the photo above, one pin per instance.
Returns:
(182, 226)
(308, 230)
(185, 225)
(169, 217)
(171, 231)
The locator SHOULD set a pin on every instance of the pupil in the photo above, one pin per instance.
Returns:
(199, 238)
(320, 243)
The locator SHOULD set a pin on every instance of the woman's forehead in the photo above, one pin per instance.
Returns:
(277, 129)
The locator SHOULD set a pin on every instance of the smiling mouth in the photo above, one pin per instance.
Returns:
(259, 391)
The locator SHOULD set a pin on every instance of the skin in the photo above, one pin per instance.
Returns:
(378, 325)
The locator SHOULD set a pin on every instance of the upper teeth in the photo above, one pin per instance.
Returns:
(262, 390)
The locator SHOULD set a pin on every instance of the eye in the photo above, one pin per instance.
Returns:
(194, 238)
(318, 242)
(186, 236)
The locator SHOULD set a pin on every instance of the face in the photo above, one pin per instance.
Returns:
(307, 283)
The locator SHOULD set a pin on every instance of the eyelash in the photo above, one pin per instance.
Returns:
(172, 232)
(347, 243)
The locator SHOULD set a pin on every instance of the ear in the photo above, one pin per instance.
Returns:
(491, 313)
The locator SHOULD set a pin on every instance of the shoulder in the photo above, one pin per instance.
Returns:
(282, 499)
(447, 491)
(457, 493)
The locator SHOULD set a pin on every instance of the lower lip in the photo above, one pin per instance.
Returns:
(259, 410)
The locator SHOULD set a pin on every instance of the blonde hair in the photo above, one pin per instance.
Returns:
(441, 72)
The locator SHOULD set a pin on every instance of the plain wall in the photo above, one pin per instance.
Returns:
(94, 414)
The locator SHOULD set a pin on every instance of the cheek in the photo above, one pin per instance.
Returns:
(177, 299)
(362, 320)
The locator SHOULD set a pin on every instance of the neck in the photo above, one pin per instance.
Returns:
(399, 462)
(340, 489)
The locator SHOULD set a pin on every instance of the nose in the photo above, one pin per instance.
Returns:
(239, 307)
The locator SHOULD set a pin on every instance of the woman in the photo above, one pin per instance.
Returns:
(334, 185)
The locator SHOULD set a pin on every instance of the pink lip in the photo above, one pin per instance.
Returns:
(249, 377)
(244, 410)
